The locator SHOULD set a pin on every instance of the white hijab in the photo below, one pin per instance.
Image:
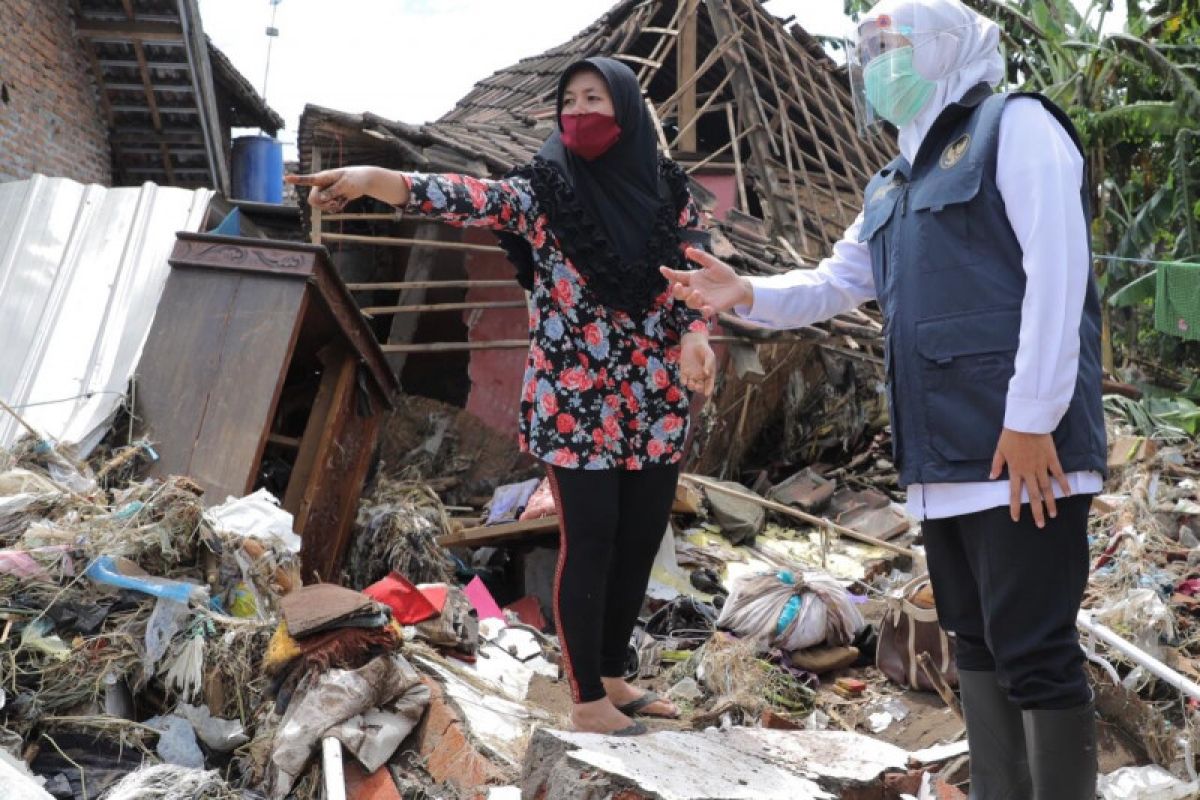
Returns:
(952, 45)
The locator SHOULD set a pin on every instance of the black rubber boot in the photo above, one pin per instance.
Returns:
(999, 764)
(1062, 752)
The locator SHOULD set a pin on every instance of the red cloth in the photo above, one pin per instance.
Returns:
(409, 606)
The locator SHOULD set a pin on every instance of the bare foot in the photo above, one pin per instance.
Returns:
(599, 716)
(620, 692)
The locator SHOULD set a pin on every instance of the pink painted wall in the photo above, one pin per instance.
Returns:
(495, 374)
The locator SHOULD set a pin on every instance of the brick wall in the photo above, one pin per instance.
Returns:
(52, 122)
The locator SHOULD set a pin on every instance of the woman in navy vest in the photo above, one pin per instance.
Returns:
(974, 241)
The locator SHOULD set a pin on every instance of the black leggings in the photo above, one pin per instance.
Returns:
(611, 523)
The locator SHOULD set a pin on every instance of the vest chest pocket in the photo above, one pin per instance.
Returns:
(941, 211)
(966, 363)
(879, 203)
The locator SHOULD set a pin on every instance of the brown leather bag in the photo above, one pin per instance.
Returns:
(909, 630)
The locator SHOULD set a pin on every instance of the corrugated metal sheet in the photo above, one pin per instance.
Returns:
(81, 272)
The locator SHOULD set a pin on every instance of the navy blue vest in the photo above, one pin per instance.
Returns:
(949, 279)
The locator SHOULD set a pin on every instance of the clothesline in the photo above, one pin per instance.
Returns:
(1145, 261)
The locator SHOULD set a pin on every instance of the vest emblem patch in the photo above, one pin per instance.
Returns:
(955, 151)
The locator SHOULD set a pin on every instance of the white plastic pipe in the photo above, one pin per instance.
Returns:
(1137, 654)
(331, 763)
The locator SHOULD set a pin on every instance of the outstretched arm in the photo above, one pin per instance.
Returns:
(797, 298)
(507, 205)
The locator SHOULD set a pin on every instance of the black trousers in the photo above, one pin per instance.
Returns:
(1010, 593)
(611, 525)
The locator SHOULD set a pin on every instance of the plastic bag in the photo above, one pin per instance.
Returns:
(258, 516)
(789, 613)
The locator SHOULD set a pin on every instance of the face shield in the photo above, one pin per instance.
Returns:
(896, 59)
(880, 65)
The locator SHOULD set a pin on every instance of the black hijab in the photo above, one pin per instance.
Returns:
(616, 217)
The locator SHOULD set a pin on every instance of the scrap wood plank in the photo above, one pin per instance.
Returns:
(489, 534)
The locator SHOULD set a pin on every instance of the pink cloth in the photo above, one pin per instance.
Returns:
(541, 503)
(482, 600)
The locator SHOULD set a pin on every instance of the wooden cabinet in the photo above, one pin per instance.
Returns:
(259, 370)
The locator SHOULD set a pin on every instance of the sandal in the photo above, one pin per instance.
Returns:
(636, 729)
(635, 707)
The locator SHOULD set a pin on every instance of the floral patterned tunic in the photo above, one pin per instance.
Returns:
(601, 391)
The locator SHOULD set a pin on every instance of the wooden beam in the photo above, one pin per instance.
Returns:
(151, 101)
(394, 241)
(129, 31)
(128, 109)
(488, 534)
(138, 87)
(423, 307)
(138, 135)
(685, 68)
(130, 63)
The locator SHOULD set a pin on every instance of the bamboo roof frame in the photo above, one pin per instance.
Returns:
(801, 162)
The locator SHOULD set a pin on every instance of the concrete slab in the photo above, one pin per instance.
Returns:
(735, 764)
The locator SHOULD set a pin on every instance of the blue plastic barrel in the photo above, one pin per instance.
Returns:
(258, 169)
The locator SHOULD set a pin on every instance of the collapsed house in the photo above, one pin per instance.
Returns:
(757, 113)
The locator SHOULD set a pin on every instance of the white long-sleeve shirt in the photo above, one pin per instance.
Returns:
(1039, 172)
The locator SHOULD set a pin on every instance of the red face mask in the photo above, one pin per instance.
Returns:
(589, 135)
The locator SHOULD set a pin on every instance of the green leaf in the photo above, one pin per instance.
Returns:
(1142, 120)
(1153, 214)
(1136, 292)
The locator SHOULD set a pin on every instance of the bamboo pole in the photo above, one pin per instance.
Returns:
(454, 347)
(709, 61)
(420, 309)
(467, 284)
(780, 508)
(661, 47)
(314, 211)
(720, 150)
(685, 60)
(704, 109)
(396, 217)
(393, 241)
(662, 137)
(743, 200)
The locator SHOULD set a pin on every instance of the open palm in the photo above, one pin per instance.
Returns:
(713, 288)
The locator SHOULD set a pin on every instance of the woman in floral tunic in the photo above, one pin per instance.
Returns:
(612, 358)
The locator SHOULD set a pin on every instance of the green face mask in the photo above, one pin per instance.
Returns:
(893, 87)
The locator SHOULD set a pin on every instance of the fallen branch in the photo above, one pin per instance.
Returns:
(780, 508)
